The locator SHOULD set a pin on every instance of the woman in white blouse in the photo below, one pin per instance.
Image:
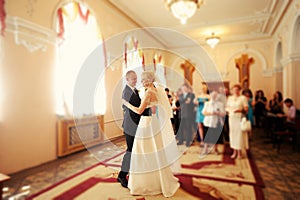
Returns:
(236, 106)
(213, 122)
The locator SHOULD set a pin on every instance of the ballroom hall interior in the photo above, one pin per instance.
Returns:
(63, 65)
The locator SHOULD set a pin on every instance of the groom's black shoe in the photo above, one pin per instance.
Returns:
(123, 182)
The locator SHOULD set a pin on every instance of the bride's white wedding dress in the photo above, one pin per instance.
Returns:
(154, 153)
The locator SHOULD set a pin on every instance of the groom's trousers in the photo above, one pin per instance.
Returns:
(126, 159)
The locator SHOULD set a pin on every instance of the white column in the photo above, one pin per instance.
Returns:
(291, 79)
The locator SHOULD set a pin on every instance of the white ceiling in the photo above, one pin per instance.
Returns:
(232, 20)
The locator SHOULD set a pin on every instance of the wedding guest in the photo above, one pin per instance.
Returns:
(187, 116)
(290, 115)
(249, 96)
(276, 104)
(222, 97)
(236, 106)
(213, 122)
(259, 107)
(167, 90)
(194, 124)
(273, 122)
(176, 111)
(170, 98)
(199, 101)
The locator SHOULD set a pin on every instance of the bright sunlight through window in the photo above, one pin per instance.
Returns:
(80, 39)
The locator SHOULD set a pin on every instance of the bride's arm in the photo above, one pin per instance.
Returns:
(139, 110)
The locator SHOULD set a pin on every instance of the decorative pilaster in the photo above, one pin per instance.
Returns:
(291, 81)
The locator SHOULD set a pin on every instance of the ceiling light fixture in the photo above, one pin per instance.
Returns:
(183, 9)
(213, 40)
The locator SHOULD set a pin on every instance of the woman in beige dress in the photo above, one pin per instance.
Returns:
(236, 106)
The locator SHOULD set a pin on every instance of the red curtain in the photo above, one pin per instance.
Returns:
(61, 12)
(125, 54)
(85, 17)
(61, 30)
(2, 16)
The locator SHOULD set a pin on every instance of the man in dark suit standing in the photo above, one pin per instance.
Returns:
(130, 123)
(186, 100)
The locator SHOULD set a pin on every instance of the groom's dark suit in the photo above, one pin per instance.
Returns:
(131, 119)
(130, 124)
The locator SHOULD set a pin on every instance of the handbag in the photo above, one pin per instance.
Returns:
(245, 125)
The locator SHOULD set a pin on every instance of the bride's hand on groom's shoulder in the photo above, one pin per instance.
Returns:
(125, 103)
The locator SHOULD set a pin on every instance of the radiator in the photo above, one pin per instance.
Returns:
(77, 134)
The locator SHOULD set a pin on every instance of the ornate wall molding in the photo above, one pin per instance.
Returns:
(254, 53)
(277, 16)
(214, 76)
(267, 72)
(291, 58)
(277, 69)
(224, 75)
(32, 36)
(30, 7)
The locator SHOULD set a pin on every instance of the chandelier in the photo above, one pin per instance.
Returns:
(213, 40)
(183, 9)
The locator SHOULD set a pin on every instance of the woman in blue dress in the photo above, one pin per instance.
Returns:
(248, 94)
(201, 98)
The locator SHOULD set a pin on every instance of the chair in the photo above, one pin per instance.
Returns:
(291, 133)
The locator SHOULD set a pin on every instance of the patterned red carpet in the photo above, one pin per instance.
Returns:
(211, 177)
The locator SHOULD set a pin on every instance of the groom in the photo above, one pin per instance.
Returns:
(130, 122)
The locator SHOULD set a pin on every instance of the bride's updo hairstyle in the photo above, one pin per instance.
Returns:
(148, 76)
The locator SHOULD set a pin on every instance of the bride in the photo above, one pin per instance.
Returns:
(154, 151)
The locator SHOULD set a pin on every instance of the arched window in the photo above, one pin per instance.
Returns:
(133, 57)
(160, 69)
(79, 34)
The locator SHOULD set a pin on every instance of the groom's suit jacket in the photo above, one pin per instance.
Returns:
(131, 119)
